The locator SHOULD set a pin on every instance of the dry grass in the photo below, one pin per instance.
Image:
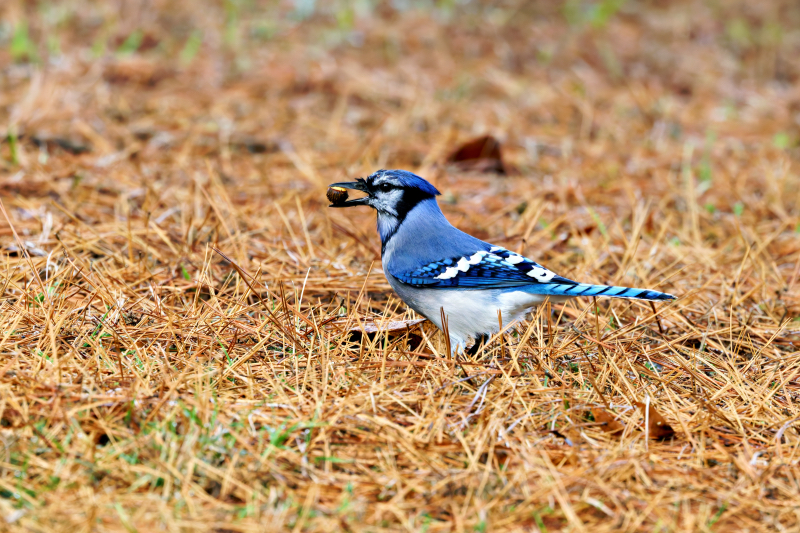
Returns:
(148, 386)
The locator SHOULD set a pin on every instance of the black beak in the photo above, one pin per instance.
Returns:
(356, 186)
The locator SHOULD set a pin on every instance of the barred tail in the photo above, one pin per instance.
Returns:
(584, 289)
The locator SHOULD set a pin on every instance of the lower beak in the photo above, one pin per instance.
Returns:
(356, 186)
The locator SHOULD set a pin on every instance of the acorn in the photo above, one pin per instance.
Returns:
(337, 195)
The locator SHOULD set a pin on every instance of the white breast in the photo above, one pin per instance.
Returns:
(469, 312)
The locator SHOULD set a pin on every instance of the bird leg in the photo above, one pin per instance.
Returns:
(480, 340)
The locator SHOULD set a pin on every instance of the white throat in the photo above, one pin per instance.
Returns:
(387, 225)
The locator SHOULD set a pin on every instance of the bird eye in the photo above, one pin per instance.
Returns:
(385, 187)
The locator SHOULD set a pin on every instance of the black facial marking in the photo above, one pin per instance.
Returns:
(410, 198)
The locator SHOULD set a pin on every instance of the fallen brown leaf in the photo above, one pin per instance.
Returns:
(608, 421)
(482, 154)
(370, 328)
(393, 326)
(657, 426)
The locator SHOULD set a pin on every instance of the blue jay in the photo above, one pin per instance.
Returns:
(439, 270)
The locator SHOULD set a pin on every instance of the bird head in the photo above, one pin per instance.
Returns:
(391, 193)
(394, 194)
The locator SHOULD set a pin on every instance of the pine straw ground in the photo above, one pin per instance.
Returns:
(149, 385)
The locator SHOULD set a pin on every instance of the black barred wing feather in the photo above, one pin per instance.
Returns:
(485, 269)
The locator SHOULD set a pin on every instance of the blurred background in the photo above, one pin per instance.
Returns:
(117, 110)
(639, 143)
(321, 88)
(551, 119)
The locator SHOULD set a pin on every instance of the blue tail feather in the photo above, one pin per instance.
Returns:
(585, 289)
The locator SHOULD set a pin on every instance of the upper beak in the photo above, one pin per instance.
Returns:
(354, 185)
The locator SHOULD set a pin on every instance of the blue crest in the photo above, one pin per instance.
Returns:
(406, 179)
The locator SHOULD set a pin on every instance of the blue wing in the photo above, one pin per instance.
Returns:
(495, 268)
(498, 268)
